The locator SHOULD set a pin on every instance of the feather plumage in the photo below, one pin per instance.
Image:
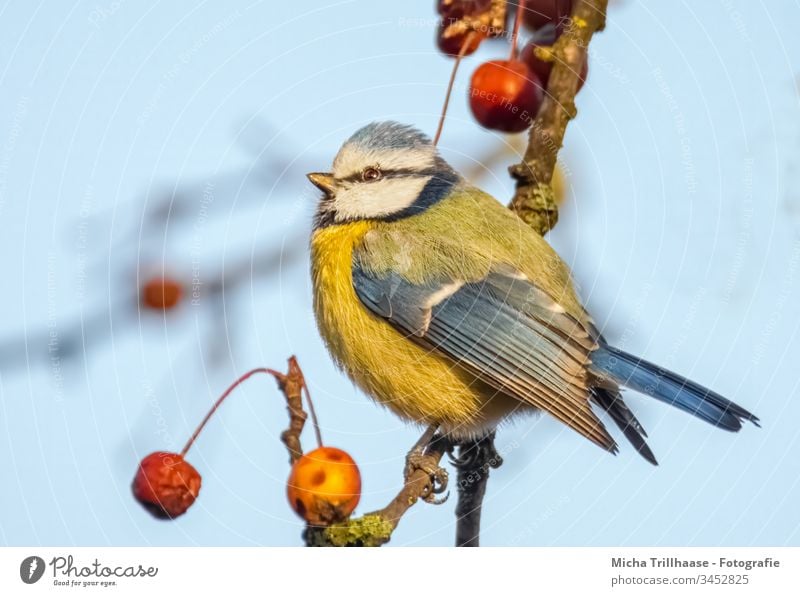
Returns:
(445, 307)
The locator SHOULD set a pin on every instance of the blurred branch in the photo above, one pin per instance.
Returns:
(494, 156)
(75, 338)
(60, 341)
(534, 199)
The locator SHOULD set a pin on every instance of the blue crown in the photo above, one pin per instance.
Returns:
(389, 135)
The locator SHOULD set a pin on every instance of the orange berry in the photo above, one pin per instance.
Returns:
(161, 293)
(324, 486)
(166, 484)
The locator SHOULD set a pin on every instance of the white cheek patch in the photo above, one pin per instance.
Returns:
(369, 200)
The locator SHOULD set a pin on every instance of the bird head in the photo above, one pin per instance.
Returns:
(385, 171)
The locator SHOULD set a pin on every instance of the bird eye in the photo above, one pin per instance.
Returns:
(371, 174)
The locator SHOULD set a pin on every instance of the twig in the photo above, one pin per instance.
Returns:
(534, 200)
(291, 384)
(420, 483)
(473, 462)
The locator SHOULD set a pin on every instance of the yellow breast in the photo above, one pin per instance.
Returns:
(415, 383)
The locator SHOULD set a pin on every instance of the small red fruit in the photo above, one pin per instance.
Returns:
(161, 293)
(166, 484)
(539, 13)
(457, 9)
(324, 486)
(505, 95)
(452, 45)
(542, 68)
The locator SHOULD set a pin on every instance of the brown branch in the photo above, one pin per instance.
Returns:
(534, 200)
(292, 384)
(420, 482)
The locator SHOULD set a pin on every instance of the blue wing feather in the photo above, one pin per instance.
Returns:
(502, 328)
(509, 333)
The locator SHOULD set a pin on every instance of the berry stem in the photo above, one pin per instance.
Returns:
(515, 33)
(461, 52)
(280, 377)
(313, 412)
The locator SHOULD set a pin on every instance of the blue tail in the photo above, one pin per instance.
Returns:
(644, 377)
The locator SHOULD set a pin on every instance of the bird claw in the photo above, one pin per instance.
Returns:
(437, 476)
(463, 460)
(437, 500)
(477, 454)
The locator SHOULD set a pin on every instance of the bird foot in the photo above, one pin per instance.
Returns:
(477, 454)
(437, 476)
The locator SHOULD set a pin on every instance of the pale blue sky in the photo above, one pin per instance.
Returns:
(682, 225)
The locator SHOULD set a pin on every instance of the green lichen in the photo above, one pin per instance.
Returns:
(369, 530)
(538, 208)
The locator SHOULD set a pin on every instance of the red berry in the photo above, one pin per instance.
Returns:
(452, 45)
(542, 68)
(324, 486)
(161, 293)
(166, 484)
(539, 13)
(505, 95)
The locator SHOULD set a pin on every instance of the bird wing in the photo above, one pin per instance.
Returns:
(503, 328)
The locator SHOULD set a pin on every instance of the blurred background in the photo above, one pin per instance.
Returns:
(141, 139)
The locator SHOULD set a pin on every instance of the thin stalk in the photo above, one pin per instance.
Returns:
(515, 34)
(275, 374)
(461, 52)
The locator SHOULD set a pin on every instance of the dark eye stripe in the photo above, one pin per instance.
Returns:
(396, 173)
(441, 180)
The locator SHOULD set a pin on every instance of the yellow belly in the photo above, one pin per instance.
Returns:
(415, 383)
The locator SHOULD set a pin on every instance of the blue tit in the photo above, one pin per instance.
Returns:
(442, 305)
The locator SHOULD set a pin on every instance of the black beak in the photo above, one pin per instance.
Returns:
(325, 182)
